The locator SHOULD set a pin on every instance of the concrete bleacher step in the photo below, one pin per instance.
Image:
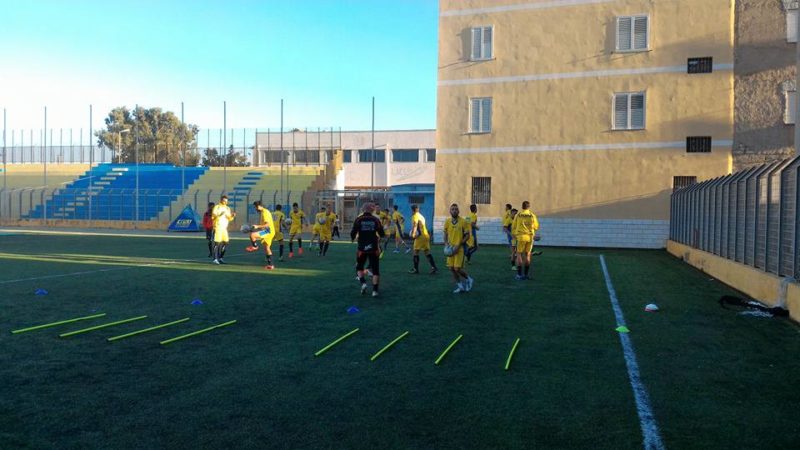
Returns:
(119, 169)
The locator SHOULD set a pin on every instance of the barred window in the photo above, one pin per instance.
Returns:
(698, 144)
(700, 65)
(682, 181)
(482, 190)
(348, 156)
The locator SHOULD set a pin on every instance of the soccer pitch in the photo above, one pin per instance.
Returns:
(712, 378)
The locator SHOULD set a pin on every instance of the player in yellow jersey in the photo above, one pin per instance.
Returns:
(422, 240)
(472, 242)
(388, 227)
(507, 219)
(319, 220)
(297, 217)
(455, 235)
(398, 223)
(221, 215)
(326, 231)
(513, 241)
(265, 232)
(278, 218)
(524, 227)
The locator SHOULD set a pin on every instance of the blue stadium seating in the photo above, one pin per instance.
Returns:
(112, 189)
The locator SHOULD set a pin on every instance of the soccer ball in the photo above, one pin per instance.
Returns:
(322, 220)
(449, 250)
(287, 221)
(246, 228)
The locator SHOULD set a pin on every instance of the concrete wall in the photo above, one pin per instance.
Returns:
(764, 68)
(552, 81)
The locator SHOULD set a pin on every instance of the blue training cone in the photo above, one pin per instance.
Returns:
(197, 302)
(352, 310)
(40, 292)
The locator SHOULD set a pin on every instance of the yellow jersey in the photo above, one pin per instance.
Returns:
(320, 219)
(525, 225)
(221, 215)
(266, 219)
(278, 217)
(297, 217)
(397, 220)
(473, 220)
(418, 227)
(384, 219)
(455, 231)
(507, 219)
(331, 219)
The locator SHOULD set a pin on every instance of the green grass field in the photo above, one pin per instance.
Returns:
(715, 379)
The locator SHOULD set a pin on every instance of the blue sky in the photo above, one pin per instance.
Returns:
(326, 59)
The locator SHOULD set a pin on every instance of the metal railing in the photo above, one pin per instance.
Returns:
(751, 217)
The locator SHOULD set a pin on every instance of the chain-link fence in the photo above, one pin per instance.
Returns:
(151, 208)
(752, 217)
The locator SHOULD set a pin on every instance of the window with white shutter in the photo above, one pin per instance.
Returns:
(482, 39)
(790, 109)
(633, 33)
(480, 113)
(629, 111)
(791, 25)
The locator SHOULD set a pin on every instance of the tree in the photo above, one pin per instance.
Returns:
(212, 158)
(161, 135)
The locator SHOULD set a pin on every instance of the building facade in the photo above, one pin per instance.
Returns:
(593, 110)
(765, 74)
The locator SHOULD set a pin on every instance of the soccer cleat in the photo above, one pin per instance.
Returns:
(513, 267)
(408, 250)
(434, 270)
(291, 254)
(300, 251)
(221, 261)
(280, 259)
(469, 283)
(459, 289)
(375, 294)
(539, 253)
(250, 249)
(269, 267)
(414, 271)
(397, 250)
(216, 261)
(519, 277)
(363, 288)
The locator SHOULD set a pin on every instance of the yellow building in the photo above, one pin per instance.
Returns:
(593, 110)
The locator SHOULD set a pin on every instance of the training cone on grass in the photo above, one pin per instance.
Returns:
(197, 302)
(651, 307)
(353, 310)
(622, 329)
(40, 292)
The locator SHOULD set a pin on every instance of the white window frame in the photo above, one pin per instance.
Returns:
(482, 56)
(480, 121)
(629, 126)
(792, 16)
(633, 34)
(789, 110)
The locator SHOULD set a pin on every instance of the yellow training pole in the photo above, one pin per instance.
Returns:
(204, 330)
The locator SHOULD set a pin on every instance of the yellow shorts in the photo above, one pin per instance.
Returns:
(457, 260)
(221, 235)
(267, 239)
(278, 236)
(325, 235)
(315, 228)
(524, 247)
(296, 229)
(422, 243)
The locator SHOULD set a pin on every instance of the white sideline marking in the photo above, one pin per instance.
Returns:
(652, 439)
(88, 272)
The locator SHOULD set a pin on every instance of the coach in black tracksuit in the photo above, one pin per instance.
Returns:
(369, 230)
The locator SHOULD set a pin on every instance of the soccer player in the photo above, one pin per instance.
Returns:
(298, 217)
(422, 240)
(208, 225)
(507, 219)
(222, 216)
(265, 231)
(524, 227)
(399, 221)
(316, 229)
(388, 227)
(325, 230)
(472, 242)
(369, 231)
(513, 241)
(455, 235)
(278, 217)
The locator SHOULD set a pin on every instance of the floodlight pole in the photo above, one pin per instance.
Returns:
(136, 151)
(183, 154)
(372, 171)
(91, 160)
(225, 147)
(281, 150)
(5, 170)
(44, 160)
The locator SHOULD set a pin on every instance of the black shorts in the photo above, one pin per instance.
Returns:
(374, 262)
(210, 235)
